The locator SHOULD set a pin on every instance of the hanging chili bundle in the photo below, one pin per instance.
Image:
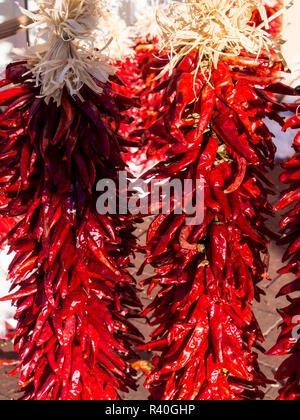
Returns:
(289, 339)
(138, 73)
(208, 272)
(73, 294)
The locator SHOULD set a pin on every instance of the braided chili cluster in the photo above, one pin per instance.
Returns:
(74, 295)
(209, 274)
(288, 341)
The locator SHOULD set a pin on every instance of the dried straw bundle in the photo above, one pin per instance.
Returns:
(147, 25)
(120, 37)
(214, 27)
(68, 58)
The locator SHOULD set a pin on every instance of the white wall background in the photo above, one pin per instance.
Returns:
(8, 10)
(128, 9)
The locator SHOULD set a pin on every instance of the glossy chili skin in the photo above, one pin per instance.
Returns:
(208, 275)
(73, 294)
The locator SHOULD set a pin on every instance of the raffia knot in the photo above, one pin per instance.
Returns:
(69, 58)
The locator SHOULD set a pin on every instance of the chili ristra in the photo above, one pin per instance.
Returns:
(208, 275)
(289, 341)
(74, 296)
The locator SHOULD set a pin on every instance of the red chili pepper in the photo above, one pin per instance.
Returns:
(217, 186)
(186, 92)
(207, 105)
(30, 290)
(8, 94)
(183, 237)
(288, 199)
(226, 129)
(219, 240)
(189, 63)
(168, 237)
(240, 176)
(292, 122)
(208, 157)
